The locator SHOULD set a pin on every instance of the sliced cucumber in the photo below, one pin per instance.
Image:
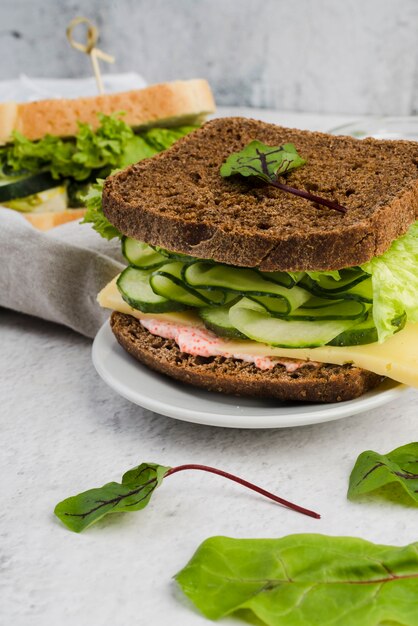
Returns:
(134, 287)
(315, 302)
(364, 332)
(168, 282)
(141, 255)
(175, 256)
(28, 186)
(349, 278)
(360, 290)
(253, 321)
(282, 278)
(217, 319)
(246, 282)
(343, 309)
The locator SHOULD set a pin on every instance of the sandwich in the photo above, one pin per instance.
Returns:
(52, 150)
(299, 282)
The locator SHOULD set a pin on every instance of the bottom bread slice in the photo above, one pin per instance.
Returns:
(327, 383)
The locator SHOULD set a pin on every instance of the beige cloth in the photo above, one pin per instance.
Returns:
(56, 275)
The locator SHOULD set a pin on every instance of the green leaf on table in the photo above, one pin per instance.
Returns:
(132, 494)
(304, 579)
(266, 162)
(373, 471)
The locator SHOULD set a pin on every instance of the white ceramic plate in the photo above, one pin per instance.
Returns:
(381, 128)
(161, 394)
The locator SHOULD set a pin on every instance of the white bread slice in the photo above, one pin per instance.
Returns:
(50, 219)
(166, 104)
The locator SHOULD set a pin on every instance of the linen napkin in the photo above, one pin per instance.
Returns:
(57, 274)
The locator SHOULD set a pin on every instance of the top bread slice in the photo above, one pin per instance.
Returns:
(179, 201)
(166, 104)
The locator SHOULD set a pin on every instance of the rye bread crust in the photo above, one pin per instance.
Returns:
(328, 383)
(179, 201)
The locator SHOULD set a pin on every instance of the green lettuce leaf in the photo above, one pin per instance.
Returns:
(373, 471)
(302, 580)
(90, 151)
(163, 138)
(395, 283)
(94, 214)
(132, 494)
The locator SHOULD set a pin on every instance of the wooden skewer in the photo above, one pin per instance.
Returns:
(92, 37)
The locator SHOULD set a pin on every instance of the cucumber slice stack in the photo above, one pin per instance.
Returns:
(276, 308)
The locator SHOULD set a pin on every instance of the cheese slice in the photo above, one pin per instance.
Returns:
(396, 358)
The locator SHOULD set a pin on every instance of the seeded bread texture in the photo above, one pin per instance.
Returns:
(179, 201)
(328, 383)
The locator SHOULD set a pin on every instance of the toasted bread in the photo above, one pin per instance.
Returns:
(179, 201)
(327, 383)
(166, 104)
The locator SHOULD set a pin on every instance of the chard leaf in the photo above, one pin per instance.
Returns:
(132, 494)
(373, 471)
(265, 162)
(304, 579)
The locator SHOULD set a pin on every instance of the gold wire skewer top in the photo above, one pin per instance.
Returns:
(89, 47)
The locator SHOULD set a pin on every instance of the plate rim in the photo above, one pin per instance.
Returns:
(330, 412)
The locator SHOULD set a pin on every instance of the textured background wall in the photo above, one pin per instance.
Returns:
(353, 56)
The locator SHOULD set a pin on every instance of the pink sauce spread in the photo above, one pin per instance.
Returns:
(200, 341)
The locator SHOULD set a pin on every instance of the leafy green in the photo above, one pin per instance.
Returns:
(112, 145)
(132, 494)
(268, 163)
(163, 138)
(316, 276)
(302, 580)
(94, 214)
(91, 150)
(150, 142)
(265, 162)
(395, 283)
(136, 149)
(373, 471)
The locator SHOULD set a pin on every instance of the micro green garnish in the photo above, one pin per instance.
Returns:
(304, 579)
(135, 491)
(267, 163)
(374, 471)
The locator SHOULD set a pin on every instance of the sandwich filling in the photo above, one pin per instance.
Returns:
(199, 341)
(53, 174)
(366, 315)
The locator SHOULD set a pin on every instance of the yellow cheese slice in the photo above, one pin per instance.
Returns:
(396, 358)
(110, 298)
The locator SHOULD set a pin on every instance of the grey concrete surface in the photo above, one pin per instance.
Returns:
(355, 56)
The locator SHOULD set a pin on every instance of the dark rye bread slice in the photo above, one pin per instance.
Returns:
(328, 383)
(179, 201)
